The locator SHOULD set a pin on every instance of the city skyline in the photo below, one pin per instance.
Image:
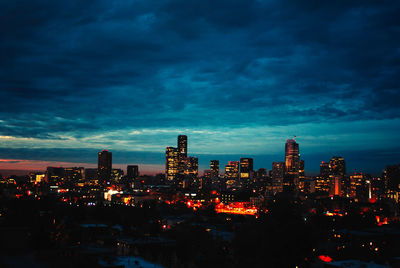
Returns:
(199, 133)
(179, 155)
(237, 77)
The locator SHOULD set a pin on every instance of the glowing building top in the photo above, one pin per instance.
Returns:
(292, 156)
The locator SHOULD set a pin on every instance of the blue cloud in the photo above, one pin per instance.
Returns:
(79, 74)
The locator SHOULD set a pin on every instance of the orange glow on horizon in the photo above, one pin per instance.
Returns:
(41, 165)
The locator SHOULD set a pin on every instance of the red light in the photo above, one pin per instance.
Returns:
(242, 208)
(325, 258)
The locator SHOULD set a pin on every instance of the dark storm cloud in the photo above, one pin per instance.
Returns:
(87, 67)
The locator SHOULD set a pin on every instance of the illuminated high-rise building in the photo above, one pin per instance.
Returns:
(323, 181)
(322, 184)
(336, 186)
(277, 175)
(246, 168)
(232, 170)
(182, 154)
(172, 163)
(54, 174)
(132, 171)
(74, 174)
(337, 173)
(182, 146)
(324, 169)
(214, 168)
(292, 157)
(391, 176)
(360, 187)
(337, 166)
(104, 166)
(301, 170)
(191, 167)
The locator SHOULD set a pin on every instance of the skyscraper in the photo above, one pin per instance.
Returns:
(182, 154)
(301, 170)
(324, 169)
(232, 170)
(337, 173)
(182, 146)
(172, 163)
(104, 166)
(292, 157)
(191, 167)
(337, 166)
(132, 171)
(277, 175)
(391, 177)
(246, 168)
(358, 189)
(214, 167)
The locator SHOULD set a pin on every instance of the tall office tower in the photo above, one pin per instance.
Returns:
(301, 170)
(292, 157)
(360, 187)
(191, 167)
(232, 170)
(277, 175)
(391, 176)
(322, 182)
(171, 163)
(246, 168)
(182, 146)
(191, 172)
(214, 167)
(337, 166)
(182, 154)
(324, 169)
(104, 166)
(337, 173)
(336, 186)
(132, 171)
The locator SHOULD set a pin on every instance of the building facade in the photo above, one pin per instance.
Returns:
(104, 166)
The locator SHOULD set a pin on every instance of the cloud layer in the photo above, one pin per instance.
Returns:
(239, 77)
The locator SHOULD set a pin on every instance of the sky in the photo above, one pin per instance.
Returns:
(237, 77)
